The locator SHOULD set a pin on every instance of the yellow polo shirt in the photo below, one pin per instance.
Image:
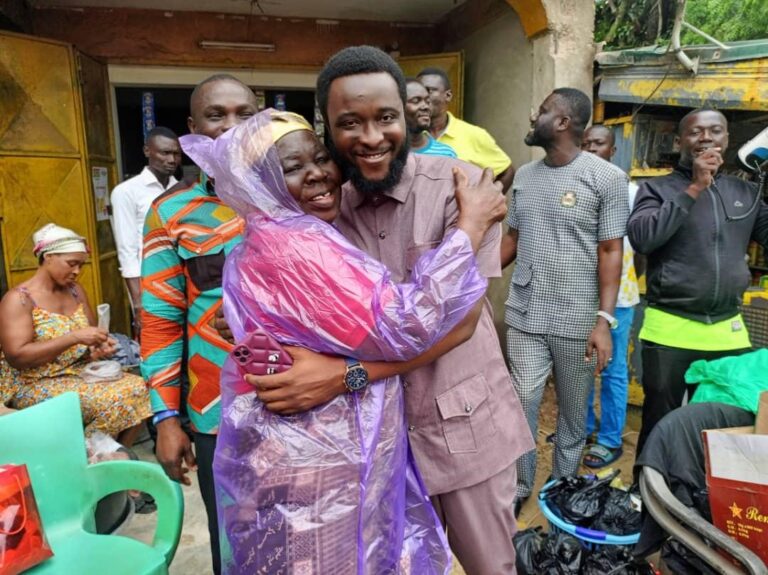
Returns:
(475, 145)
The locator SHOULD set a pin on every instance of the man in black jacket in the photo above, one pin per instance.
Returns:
(694, 225)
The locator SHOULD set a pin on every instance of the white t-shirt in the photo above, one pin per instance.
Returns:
(131, 201)
(629, 293)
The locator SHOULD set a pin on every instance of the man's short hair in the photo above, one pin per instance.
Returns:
(411, 80)
(436, 72)
(685, 118)
(212, 79)
(353, 61)
(579, 106)
(161, 131)
(606, 129)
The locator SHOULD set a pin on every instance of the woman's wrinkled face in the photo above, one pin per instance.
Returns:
(313, 179)
(64, 268)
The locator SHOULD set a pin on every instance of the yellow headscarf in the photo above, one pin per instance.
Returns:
(283, 123)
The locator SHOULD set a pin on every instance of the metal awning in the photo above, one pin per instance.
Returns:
(736, 78)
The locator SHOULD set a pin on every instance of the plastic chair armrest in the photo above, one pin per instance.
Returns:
(691, 529)
(110, 476)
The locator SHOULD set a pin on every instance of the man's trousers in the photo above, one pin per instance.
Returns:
(481, 524)
(531, 359)
(664, 381)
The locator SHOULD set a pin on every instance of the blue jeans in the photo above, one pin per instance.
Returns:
(614, 386)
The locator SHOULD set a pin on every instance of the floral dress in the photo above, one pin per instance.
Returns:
(110, 407)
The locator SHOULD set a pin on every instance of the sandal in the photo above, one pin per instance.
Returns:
(598, 456)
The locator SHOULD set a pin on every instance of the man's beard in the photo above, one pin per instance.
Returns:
(415, 129)
(372, 187)
(542, 135)
(533, 139)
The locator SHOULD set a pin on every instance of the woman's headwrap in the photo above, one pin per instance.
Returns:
(283, 123)
(53, 239)
(245, 165)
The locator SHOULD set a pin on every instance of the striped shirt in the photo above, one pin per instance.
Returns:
(187, 235)
(435, 148)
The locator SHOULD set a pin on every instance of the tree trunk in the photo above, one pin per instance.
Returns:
(620, 15)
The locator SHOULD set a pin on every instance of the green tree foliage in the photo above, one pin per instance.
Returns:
(632, 23)
(727, 20)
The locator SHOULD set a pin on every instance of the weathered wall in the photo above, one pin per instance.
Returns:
(497, 78)
(568, 47)
(563, 56)
(154, 37)
(497, 95)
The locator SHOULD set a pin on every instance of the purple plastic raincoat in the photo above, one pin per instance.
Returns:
(333, 490)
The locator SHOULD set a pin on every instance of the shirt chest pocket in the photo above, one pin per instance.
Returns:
(414, 252)
(204, 260)
(466, 416)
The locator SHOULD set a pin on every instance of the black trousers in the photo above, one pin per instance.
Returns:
(664, 381)
(205, 445)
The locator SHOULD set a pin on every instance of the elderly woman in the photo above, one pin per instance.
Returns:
(333, 490)
(48, 335)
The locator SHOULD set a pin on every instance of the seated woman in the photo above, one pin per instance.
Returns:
(333, 490)
(48, 335)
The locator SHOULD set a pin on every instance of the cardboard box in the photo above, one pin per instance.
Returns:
(737, 480)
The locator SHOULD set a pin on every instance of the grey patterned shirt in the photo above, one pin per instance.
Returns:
(561, 214)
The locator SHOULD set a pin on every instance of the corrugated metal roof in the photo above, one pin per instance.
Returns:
(729, 79)
(662, 55)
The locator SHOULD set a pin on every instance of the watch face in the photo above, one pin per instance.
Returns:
(356, 378)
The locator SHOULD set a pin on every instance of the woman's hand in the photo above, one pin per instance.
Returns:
(105, 350)
(480, 206)
(90, 336)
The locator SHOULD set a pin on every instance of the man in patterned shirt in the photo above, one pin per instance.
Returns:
(567, 218)
(187, 235)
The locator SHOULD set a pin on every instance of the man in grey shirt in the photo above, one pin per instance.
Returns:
(567, 218)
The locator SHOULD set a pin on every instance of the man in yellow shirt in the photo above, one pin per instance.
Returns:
(471, 143)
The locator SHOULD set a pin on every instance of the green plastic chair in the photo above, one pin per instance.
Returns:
(49, 439)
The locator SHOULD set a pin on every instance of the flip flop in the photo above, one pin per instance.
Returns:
(601, 456)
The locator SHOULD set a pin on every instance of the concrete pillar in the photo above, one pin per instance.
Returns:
(563, 55)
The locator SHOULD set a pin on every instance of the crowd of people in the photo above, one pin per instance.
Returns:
(368, 258)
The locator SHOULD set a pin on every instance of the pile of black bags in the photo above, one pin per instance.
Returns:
(563, 554)
(587, 501)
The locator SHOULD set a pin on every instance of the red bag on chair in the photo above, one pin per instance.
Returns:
(22, 541)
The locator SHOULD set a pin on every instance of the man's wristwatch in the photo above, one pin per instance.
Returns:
(613, 323)
(356, 377)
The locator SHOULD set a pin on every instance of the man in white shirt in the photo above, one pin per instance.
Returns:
(131, 201)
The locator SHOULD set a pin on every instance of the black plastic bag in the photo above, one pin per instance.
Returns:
(561, 554)
(528, 544)
(583, 506)
(682, 561)
(561, 490)
(614, 560)
(617, 516)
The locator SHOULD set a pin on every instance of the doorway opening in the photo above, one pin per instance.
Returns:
(171, 110)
